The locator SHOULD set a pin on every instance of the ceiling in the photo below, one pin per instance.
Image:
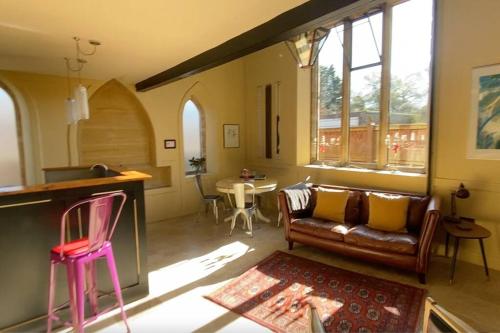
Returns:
(139, 38)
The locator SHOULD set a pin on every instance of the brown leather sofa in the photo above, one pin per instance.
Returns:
(410, 251)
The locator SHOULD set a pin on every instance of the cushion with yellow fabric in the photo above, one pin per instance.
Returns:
(330, 204)
(388, 212)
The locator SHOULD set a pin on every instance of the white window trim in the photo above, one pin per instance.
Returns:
(382, 164)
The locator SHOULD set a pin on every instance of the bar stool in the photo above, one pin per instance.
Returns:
(79, 257)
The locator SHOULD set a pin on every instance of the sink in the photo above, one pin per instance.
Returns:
(61, 175)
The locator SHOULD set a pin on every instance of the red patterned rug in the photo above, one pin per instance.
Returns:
(275, 293)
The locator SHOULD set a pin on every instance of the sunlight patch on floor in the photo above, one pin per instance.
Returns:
(185, 272)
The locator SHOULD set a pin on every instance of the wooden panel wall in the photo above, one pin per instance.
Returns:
(118, 131)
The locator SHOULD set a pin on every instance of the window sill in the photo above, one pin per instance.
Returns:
(365, 170)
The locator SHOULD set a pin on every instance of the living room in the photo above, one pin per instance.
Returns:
(255, 112)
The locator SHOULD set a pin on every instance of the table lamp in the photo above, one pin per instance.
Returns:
(460, 193)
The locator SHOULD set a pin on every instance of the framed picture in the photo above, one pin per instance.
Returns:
(484, 125)
(231, 135)
(169, 144)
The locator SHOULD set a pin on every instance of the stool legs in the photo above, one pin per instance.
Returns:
(92, 287)
(116, 283)
(52, 286)
(80, 294)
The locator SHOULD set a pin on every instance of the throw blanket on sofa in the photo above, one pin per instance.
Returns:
(298, 197)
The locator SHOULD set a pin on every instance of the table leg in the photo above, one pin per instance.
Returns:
(261, 217)
(446, 245)
(484, 258)
(454, 260)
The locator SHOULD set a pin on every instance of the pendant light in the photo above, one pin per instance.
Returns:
(306, 46)
(77, 104)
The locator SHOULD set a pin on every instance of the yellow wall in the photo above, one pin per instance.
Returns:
(467, 34)
(467, 37)
(219, 92)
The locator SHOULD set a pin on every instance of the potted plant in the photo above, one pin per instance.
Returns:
(198, 164)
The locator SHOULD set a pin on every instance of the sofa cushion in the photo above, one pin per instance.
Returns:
(352, 208)
(364, 236)
(388, 212)
(416, 211)
(331, 204)
(320, 228)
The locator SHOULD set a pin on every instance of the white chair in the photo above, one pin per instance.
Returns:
(247, 209)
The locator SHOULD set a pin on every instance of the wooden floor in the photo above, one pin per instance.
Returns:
(189, 259)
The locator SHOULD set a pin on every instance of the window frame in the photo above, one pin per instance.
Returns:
(382, 158)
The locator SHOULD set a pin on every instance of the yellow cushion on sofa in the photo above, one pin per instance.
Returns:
(330, 204)
(387, 212)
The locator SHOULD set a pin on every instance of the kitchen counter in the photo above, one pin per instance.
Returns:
(123, 176)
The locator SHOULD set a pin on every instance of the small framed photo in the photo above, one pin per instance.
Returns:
(231, 135)
(484, 123)
(169, 144)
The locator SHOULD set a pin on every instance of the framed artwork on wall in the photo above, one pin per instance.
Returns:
(231, 135)
(484, 123)
(169, 144)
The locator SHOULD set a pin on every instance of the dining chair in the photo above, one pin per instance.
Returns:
(80, 256)
(242, 207)
(208, 199)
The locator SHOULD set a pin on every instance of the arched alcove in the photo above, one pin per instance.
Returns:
(119, 134)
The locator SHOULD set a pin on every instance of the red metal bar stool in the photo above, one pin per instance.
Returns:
(79, 257)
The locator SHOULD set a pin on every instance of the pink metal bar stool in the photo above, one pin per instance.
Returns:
(79, 257)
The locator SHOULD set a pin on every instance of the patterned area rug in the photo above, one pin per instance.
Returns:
(275, 293)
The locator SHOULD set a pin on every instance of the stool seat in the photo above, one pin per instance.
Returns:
(78, 246)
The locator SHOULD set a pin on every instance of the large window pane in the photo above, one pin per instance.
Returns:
(411, 55)
(366, 40)
(191, 123)
(364, 116)
(10, 163)
(330, 62)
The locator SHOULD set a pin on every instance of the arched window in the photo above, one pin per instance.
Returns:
(11, 161)
(193, 136)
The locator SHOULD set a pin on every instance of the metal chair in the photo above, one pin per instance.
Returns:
(209, 199)
(79, 257)
(247, 209)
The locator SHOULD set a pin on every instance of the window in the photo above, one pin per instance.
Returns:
(371, 89)
(11, 161)
(193, 130)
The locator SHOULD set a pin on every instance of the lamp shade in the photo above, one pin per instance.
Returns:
(82, 102)
(306, 46)
(72, 114)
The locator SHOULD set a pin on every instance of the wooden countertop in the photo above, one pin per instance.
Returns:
(125, 176)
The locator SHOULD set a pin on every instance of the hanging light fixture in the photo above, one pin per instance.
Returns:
(306, 46)
(77, 104)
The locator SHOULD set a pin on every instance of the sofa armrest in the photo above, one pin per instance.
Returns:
(285, 213)
(428, 229)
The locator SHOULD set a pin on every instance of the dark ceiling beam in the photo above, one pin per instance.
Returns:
(283, 27)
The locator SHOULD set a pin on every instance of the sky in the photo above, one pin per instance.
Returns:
(191, 133)
(411, 41)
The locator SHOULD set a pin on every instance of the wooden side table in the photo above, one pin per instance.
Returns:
(465, 230)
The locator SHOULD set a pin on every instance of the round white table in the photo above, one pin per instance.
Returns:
(261, 186)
